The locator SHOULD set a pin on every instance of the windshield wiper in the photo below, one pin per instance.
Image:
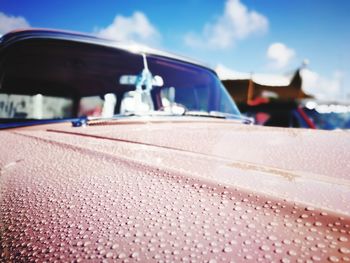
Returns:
(219, 115)
(84, 121)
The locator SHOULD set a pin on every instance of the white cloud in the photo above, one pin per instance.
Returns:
(228, 73)
(279, 55)
(260, 78)
(8, 23)
(236, 23)
(324, 88)
(134, 28)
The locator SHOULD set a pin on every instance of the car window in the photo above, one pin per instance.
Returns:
(34, 106)
(63, 79)
(194, 87)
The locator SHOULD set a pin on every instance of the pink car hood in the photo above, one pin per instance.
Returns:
(174, 190)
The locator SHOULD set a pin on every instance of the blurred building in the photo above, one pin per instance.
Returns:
(252, 92)
(269, 102)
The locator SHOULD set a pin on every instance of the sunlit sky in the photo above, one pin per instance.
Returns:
(233, 36)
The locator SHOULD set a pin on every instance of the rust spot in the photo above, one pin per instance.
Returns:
(273, 171)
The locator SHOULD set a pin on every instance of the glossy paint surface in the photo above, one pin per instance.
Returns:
(181, 189)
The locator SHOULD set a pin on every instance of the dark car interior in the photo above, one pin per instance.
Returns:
(66, 72)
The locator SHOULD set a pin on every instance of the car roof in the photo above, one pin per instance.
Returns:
(19, 35)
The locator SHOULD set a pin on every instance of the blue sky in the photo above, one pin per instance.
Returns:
(234, 36)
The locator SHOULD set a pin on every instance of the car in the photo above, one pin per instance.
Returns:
(119, 152)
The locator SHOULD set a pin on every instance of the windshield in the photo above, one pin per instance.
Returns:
(196, 88)
(45, 79)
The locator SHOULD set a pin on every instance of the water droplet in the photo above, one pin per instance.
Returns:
(318, 223)
(265, 248)
(273, 238)
(344, 250)
(114, 246)
(122, 255)
(333, 259)
(315, 258)
(343, 239)
(285, 260)
(227, 249)
(251, 226)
